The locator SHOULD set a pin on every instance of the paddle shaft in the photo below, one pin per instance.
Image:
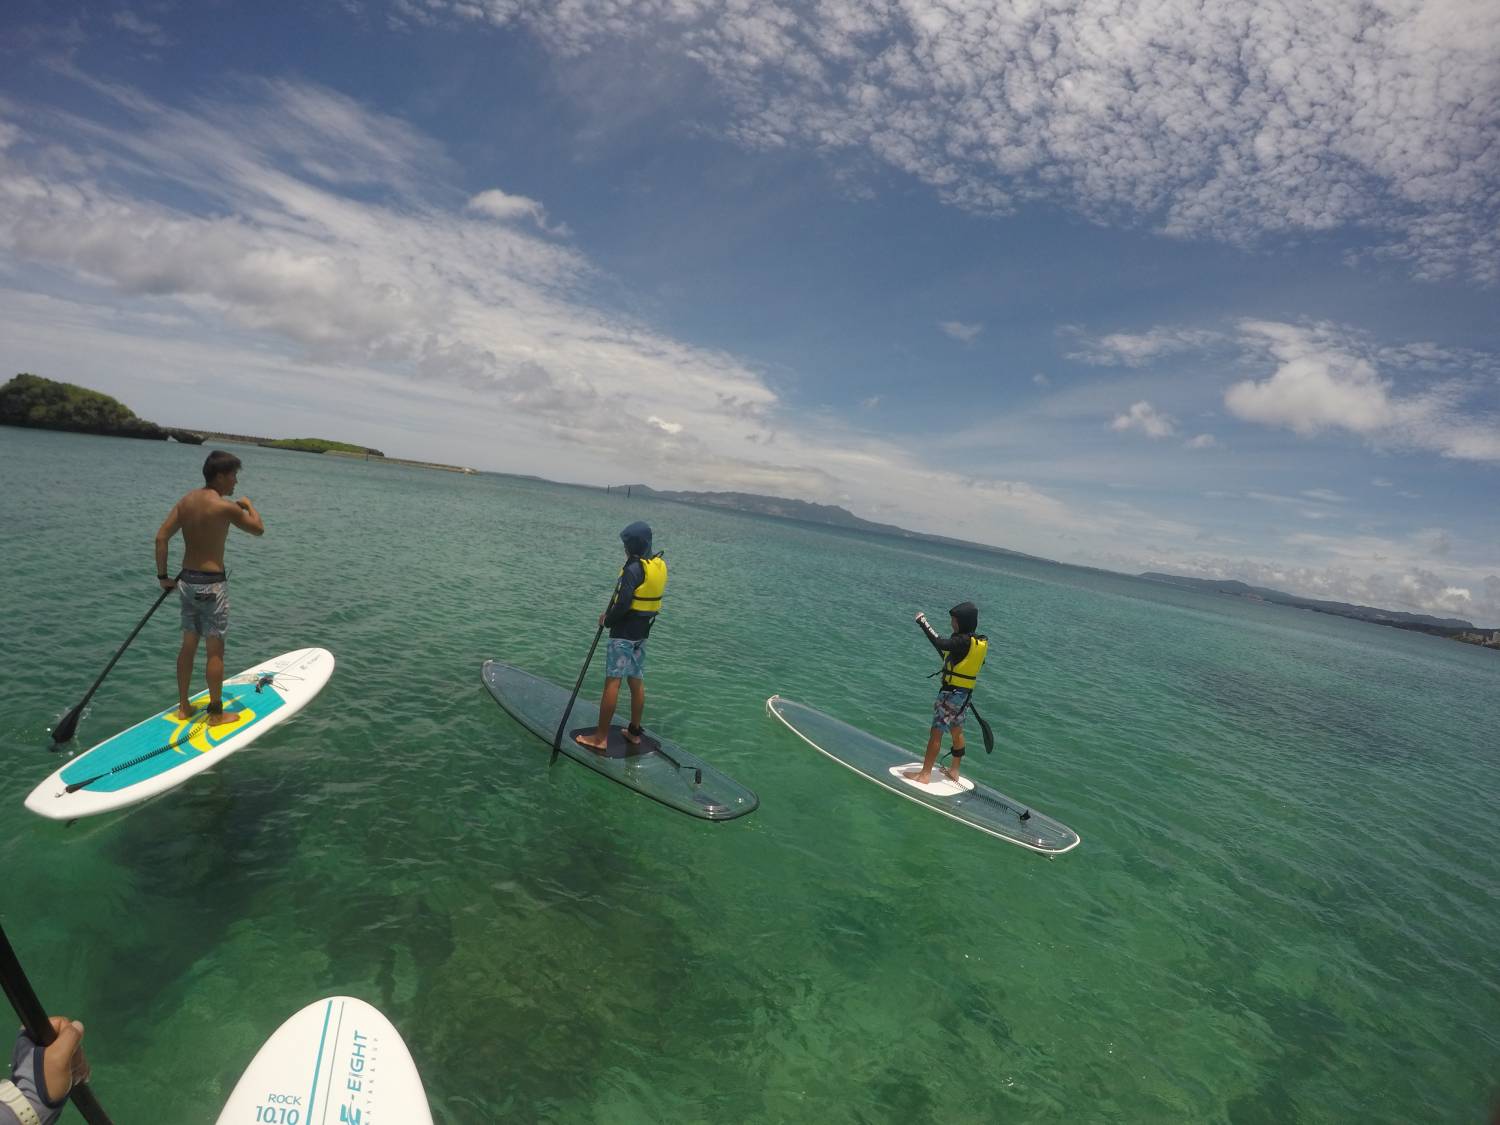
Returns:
(568, 710)
(64, 730)
(23, 999)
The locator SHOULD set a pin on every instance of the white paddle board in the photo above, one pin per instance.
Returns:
(336, 1061)
(164, 751)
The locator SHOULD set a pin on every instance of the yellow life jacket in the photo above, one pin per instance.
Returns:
(965, 673)
(648, 594)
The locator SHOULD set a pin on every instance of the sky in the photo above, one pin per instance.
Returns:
(1136, 284)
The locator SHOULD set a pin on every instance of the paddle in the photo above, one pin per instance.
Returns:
(984, 728)
(63, 732)
(568, 710)
(18, 990)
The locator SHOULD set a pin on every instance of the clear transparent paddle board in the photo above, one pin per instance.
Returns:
(967, 801)
(657, 768)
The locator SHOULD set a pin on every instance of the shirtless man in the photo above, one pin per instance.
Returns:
(203, 516)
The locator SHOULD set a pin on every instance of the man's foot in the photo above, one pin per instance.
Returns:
(951, 775)
(633, 735)
(921, 777)
(185, 713)
(592, 742)
(220, 718)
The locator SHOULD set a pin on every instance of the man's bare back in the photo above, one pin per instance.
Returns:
(203, 517)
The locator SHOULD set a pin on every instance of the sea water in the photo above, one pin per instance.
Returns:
(1286, 906)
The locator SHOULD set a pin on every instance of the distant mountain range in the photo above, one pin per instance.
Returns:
(830, 515)
(1445, 626)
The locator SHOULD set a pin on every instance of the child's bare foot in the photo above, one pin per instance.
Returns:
(951, 774)
(592, 742)
(921, 777)
(220, 718)
(185, 713)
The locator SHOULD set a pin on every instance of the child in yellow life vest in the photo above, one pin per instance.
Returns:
(631, 612)
(963, 656)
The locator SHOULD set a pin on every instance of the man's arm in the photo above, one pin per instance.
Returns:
(243, 515)
(170, 526)
(942, 644)
(619, 605)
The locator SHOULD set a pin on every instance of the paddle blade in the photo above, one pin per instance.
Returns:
(989, 735)
(65, 730)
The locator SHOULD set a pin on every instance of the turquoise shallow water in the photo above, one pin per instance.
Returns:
(1286, 906)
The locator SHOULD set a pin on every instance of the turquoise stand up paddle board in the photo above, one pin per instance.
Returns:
(338, 1061)
(887, 765)
(164, 751)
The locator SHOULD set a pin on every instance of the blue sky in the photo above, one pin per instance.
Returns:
(1136, 286)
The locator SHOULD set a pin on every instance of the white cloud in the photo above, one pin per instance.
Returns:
(1145, 417)
(870, 403)
(664, 426)
(1326, 495)
(1230, 123)
(498, 205)
(1325, 380)
(967, 333)
(152, 33)
(1041, 380)
(1202, 441)
(321, 254)
(506, 208)
(1135, 350)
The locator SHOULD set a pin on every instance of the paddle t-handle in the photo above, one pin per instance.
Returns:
(33, 1016)
(64, 730)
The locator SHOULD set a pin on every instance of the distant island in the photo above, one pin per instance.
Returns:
(1455, 628)
(45, 404)
(302, 445)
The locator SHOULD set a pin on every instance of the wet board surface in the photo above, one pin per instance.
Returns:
(164, 751)
(665, 773)
(338, 1060)
(970, 802)
(618, 745)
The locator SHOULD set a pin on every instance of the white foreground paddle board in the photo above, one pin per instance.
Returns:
(164, 751)
(336, 1061)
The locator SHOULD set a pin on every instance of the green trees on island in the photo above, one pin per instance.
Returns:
(320, 445)
(46, 404)
(30, 400)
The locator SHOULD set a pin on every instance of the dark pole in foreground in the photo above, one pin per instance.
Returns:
(19, 992)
